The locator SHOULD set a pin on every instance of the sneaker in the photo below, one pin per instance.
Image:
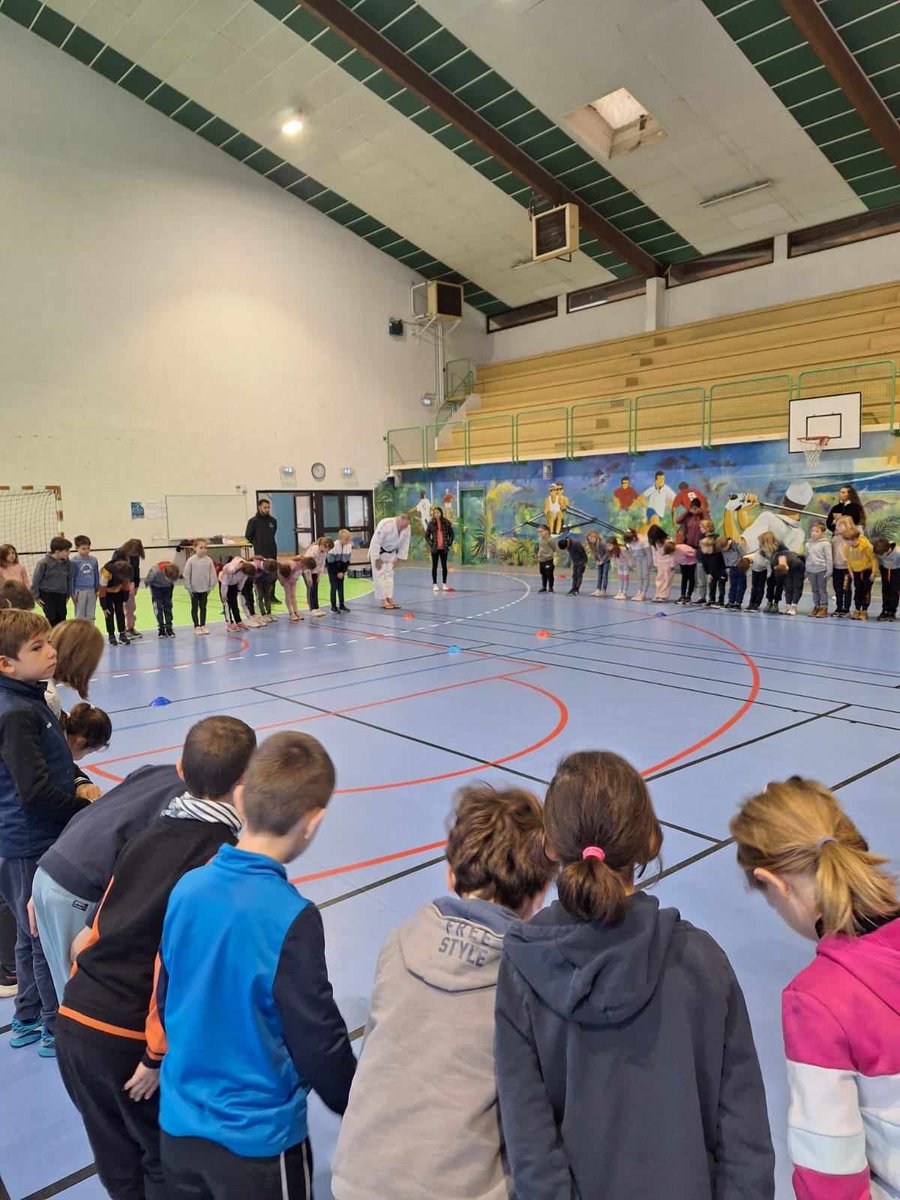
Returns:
(791, 610)
(621, 596)
(47, 1048)
(335, 609)
(700, 600)
(113, 640)
(881, 617)
(344, 608)
(320, 612)
(134, 633)
(444, 588)
(204, 630)
(596, 592)
(752, 608)
(435, 588)
(639, 596)
(162, 633)
(170, 633)
(197, 630)
(124, 639)
(9, 985)
(25, 1033)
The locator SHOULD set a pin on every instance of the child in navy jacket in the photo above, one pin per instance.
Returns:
(625, 1060)
(239, 1063)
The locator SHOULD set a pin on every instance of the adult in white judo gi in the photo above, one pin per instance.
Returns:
(390, 542)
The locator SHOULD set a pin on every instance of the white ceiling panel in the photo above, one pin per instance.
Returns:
(246, 67)
(726, 128)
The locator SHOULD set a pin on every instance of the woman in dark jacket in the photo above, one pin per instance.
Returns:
(848, 505)
(439, 537)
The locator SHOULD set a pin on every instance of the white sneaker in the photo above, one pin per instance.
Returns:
(198, 631)
(596, 592)
(435, 588)
(791, 610)
(621, 596)
(638, 596)
(317, 612)
(444, 588)
(204, 630)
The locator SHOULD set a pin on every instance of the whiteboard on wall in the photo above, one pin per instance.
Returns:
(206, 516)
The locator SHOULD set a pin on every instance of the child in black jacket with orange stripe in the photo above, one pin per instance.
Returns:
(101, 1032)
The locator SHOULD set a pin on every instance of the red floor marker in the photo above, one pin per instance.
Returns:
(409, 616)
(542, 633)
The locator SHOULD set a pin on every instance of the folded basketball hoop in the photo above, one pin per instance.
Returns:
(813, 449)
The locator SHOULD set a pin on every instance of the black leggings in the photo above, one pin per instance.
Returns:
(438, 556)
(247, 593)
(862, 590)
(336, 575)
(265, 592)
(54, 606)
(198, 608)
(843, 588)
(688, 576)
(546, 569)
(113, 605)
(232, 607)
(312, 592)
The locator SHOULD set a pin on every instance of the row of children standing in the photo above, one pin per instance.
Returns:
(715, 567)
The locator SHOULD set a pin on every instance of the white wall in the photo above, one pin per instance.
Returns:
(172, 323)
(839, 270)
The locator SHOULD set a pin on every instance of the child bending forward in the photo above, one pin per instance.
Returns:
(438, 973)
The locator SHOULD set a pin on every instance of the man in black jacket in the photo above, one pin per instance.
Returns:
(260, 532)
(261, 529)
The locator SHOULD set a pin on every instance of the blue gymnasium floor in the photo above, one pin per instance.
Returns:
(710, 704)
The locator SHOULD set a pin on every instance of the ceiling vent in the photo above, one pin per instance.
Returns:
(615, 124)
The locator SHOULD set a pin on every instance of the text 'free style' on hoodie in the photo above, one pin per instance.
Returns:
(422, 1121)
(626, 1063)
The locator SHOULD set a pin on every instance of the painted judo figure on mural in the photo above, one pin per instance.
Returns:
(555, 508)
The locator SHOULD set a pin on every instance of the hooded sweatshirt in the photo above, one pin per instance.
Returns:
(428, 1062)
(841, 1018)
(626, 1063)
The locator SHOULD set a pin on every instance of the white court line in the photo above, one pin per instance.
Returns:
(154, 671)
(207, 662)
(183, 666)
(291, 651)
(327, 644)
(235, 658)
(262, 654)
(125, 676)
(351, 641)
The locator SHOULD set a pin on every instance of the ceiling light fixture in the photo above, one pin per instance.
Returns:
(758, 186)
(292, 124)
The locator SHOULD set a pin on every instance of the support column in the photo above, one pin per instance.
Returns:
(654, 314)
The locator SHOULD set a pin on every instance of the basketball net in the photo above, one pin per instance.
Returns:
(813, 449)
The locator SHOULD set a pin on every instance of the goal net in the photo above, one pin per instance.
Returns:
(28, 520)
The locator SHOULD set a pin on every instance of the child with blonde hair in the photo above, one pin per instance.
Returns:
(819, 565)
(861, 564)
(199, 580)
(317, 552)
(841, 1014)
(599, 549)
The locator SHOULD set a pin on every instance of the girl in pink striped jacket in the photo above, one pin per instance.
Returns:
(841, 1015)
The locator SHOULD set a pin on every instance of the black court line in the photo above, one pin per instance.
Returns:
(409, 737)
(62, 1185)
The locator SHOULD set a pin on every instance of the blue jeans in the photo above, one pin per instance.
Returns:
(36, 996)
(602, 576)
(737, 585)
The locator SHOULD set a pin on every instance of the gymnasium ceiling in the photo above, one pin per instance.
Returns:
(740, 92)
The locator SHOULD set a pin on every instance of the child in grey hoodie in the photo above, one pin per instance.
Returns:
(422, 1118)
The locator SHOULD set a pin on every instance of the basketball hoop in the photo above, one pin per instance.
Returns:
(813, 449)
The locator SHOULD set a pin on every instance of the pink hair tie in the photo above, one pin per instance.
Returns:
(593, 852)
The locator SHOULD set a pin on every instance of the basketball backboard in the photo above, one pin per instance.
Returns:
(839, 418)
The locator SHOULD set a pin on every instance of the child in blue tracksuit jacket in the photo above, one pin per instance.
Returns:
(244, 999)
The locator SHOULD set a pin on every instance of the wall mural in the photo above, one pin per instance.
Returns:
(490, 504)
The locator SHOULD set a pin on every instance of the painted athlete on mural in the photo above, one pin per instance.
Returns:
(748, 489)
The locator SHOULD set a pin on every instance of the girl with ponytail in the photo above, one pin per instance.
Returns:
(841, 1015)
(625, 1061)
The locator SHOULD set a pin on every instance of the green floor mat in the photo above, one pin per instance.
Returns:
(181, 604)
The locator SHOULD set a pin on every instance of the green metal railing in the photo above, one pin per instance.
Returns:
(756, 408)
